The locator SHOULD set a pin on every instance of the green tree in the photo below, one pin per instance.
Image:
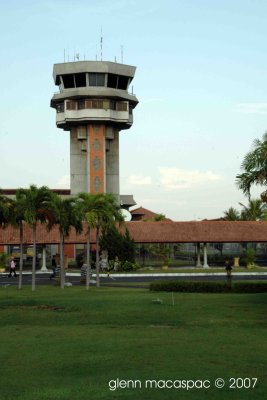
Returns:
(254, 211)
(106, 212)
(12, 212)
(66, 215)
(232, 214)
(17, 220)
(118, 244)
(86, 206)
(36, 205)
(5, 210)
(159, 217)
(254, 167)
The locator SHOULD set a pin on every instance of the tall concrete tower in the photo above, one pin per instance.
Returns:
(93, 103)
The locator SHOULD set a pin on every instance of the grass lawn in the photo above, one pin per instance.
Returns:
(68, 344)
(200, 270)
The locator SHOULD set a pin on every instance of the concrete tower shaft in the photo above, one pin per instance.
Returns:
(93, 103)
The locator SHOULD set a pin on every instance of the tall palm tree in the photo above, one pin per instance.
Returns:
(254, 166)
(65, 215)
(17, 220)
(5, 211)
(36, 205)
(12, 212)
(106, 213)
(86, 204)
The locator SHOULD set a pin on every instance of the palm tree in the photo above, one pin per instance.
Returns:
(86, 204)
(65, 215)
(105, 213)
(12, 212)
(5, 214)
(232, 214)
(17, 220)
(254, 211)
(254, 166)
(35, 203)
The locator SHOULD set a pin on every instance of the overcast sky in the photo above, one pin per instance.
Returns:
(201, 81)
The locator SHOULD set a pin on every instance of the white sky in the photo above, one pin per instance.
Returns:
(201, 81)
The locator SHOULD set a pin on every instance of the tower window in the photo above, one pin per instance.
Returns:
(112, 80)
(97, 104)
(123, 82)
(68, 81)
(80, 80)
(121, 106)
(60, 107)
(81, 104)
(96, 79)
(71, 105)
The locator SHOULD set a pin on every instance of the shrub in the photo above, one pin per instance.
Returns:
(250, 257)
(128, 266)
(208, 287)
(250, 287)
(3, 260)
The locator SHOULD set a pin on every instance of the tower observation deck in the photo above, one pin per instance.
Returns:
(94, 104)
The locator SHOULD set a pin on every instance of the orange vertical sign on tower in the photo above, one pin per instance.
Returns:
(96, 137)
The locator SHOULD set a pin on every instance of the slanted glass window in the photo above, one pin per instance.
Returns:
(123, 82)
(68, 81)
(96, 79)
(100, 80)
(112, 80)
(80, 80)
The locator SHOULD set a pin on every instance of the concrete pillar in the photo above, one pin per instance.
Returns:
(112, 171)
(44, 268)
(198, 264)
(205, 264)
(79, 164)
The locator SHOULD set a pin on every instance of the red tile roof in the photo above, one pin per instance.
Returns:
(158, 232)
(141, 214)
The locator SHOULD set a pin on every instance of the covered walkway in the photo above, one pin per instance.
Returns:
(157, 232)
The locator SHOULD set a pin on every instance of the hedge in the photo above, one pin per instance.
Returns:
(208, 287)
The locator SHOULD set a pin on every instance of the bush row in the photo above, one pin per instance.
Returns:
(208, 287)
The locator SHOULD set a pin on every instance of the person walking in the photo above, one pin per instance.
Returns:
(228, 268)
(54, 267)
(12, 268)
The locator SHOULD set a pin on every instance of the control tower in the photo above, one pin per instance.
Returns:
(93, 103)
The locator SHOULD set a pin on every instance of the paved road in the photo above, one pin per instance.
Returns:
(126, 280)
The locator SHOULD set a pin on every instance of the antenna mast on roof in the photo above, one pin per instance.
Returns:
(101, 45)
(122, 54)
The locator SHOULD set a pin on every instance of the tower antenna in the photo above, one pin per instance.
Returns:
(122, 54)
(101, 45)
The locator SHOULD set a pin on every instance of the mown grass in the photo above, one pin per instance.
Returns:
(68, 344)
(211, 270)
